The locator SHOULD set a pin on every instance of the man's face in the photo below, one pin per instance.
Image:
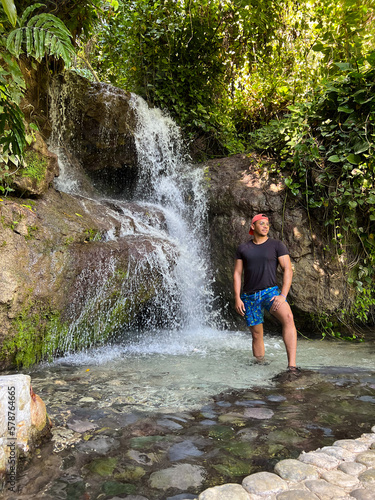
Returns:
(261, 227)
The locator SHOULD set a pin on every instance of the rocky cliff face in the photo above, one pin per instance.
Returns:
(240, 187)
(65, 284)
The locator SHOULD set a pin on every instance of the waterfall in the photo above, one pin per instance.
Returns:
(169, 180)
(170, 190)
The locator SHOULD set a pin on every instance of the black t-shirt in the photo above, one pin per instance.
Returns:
(260, 263)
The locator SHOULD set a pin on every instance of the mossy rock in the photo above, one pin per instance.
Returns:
(115, 488)
(102, 466)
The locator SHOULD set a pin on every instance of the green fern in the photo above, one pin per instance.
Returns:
(12, 130)
(40, 35)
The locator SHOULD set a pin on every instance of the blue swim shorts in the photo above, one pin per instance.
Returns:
(256, 302)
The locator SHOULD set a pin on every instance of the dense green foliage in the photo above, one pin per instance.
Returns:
(36, 34)
(327, 143)
(223, 67)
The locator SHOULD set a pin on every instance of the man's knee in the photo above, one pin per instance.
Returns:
(290, 317)
(286, 317)
(257, 331)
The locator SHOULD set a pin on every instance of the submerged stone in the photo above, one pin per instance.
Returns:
(143, 458)
(232, 418)
(131, 473)
(288, 437)
(183, 450)
(170, 424)
(247, 434)
(181, 476)
(81, 425)
(102, 466)
(208, 422)
(100, 445)
(258, 413)
(182, 496)
(115, 488)
(230, 467)
(241, 449)
(221, 433)
(145, 442)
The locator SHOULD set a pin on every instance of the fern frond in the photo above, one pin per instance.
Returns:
(18, 42)
(49, 21)
(41, 47)
(28, 11)
(38, 49)
(42, 36)
(29, 42)
(53, 45)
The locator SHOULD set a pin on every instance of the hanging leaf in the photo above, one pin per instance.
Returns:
(345, 109)
(334, 159)
(10, 11)
(344, 66)
(354, 159)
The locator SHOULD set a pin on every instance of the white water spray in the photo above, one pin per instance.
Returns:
(167, 184)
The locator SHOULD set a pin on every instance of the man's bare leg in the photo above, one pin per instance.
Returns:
(258, 343)
(285, 316)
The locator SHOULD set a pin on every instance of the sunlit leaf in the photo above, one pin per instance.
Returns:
(10, 11)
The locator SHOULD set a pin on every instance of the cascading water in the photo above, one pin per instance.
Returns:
(168, 188)
(169, 181)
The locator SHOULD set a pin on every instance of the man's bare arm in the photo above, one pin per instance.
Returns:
(286, 266)
(237, 278)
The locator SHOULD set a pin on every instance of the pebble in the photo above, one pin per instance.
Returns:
(345, 470)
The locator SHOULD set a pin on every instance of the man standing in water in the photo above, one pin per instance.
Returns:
(258, 259)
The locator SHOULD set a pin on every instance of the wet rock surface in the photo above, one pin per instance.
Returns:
(103, 449)
(245, 184)
(61, 255)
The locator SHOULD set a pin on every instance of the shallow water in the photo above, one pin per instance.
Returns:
(126, 412)
(174, 371)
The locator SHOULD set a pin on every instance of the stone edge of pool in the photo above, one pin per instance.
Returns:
(345, 470)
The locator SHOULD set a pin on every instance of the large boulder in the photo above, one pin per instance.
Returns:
(243, 185)
(95, 122)
(24, 424)
(74, 274)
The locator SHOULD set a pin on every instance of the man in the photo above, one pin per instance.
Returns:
(258, 259)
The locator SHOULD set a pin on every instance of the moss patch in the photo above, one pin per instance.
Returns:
(37, 332)
(35, 166)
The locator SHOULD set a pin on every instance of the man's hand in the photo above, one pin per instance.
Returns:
(277, 301)
(240, 307)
